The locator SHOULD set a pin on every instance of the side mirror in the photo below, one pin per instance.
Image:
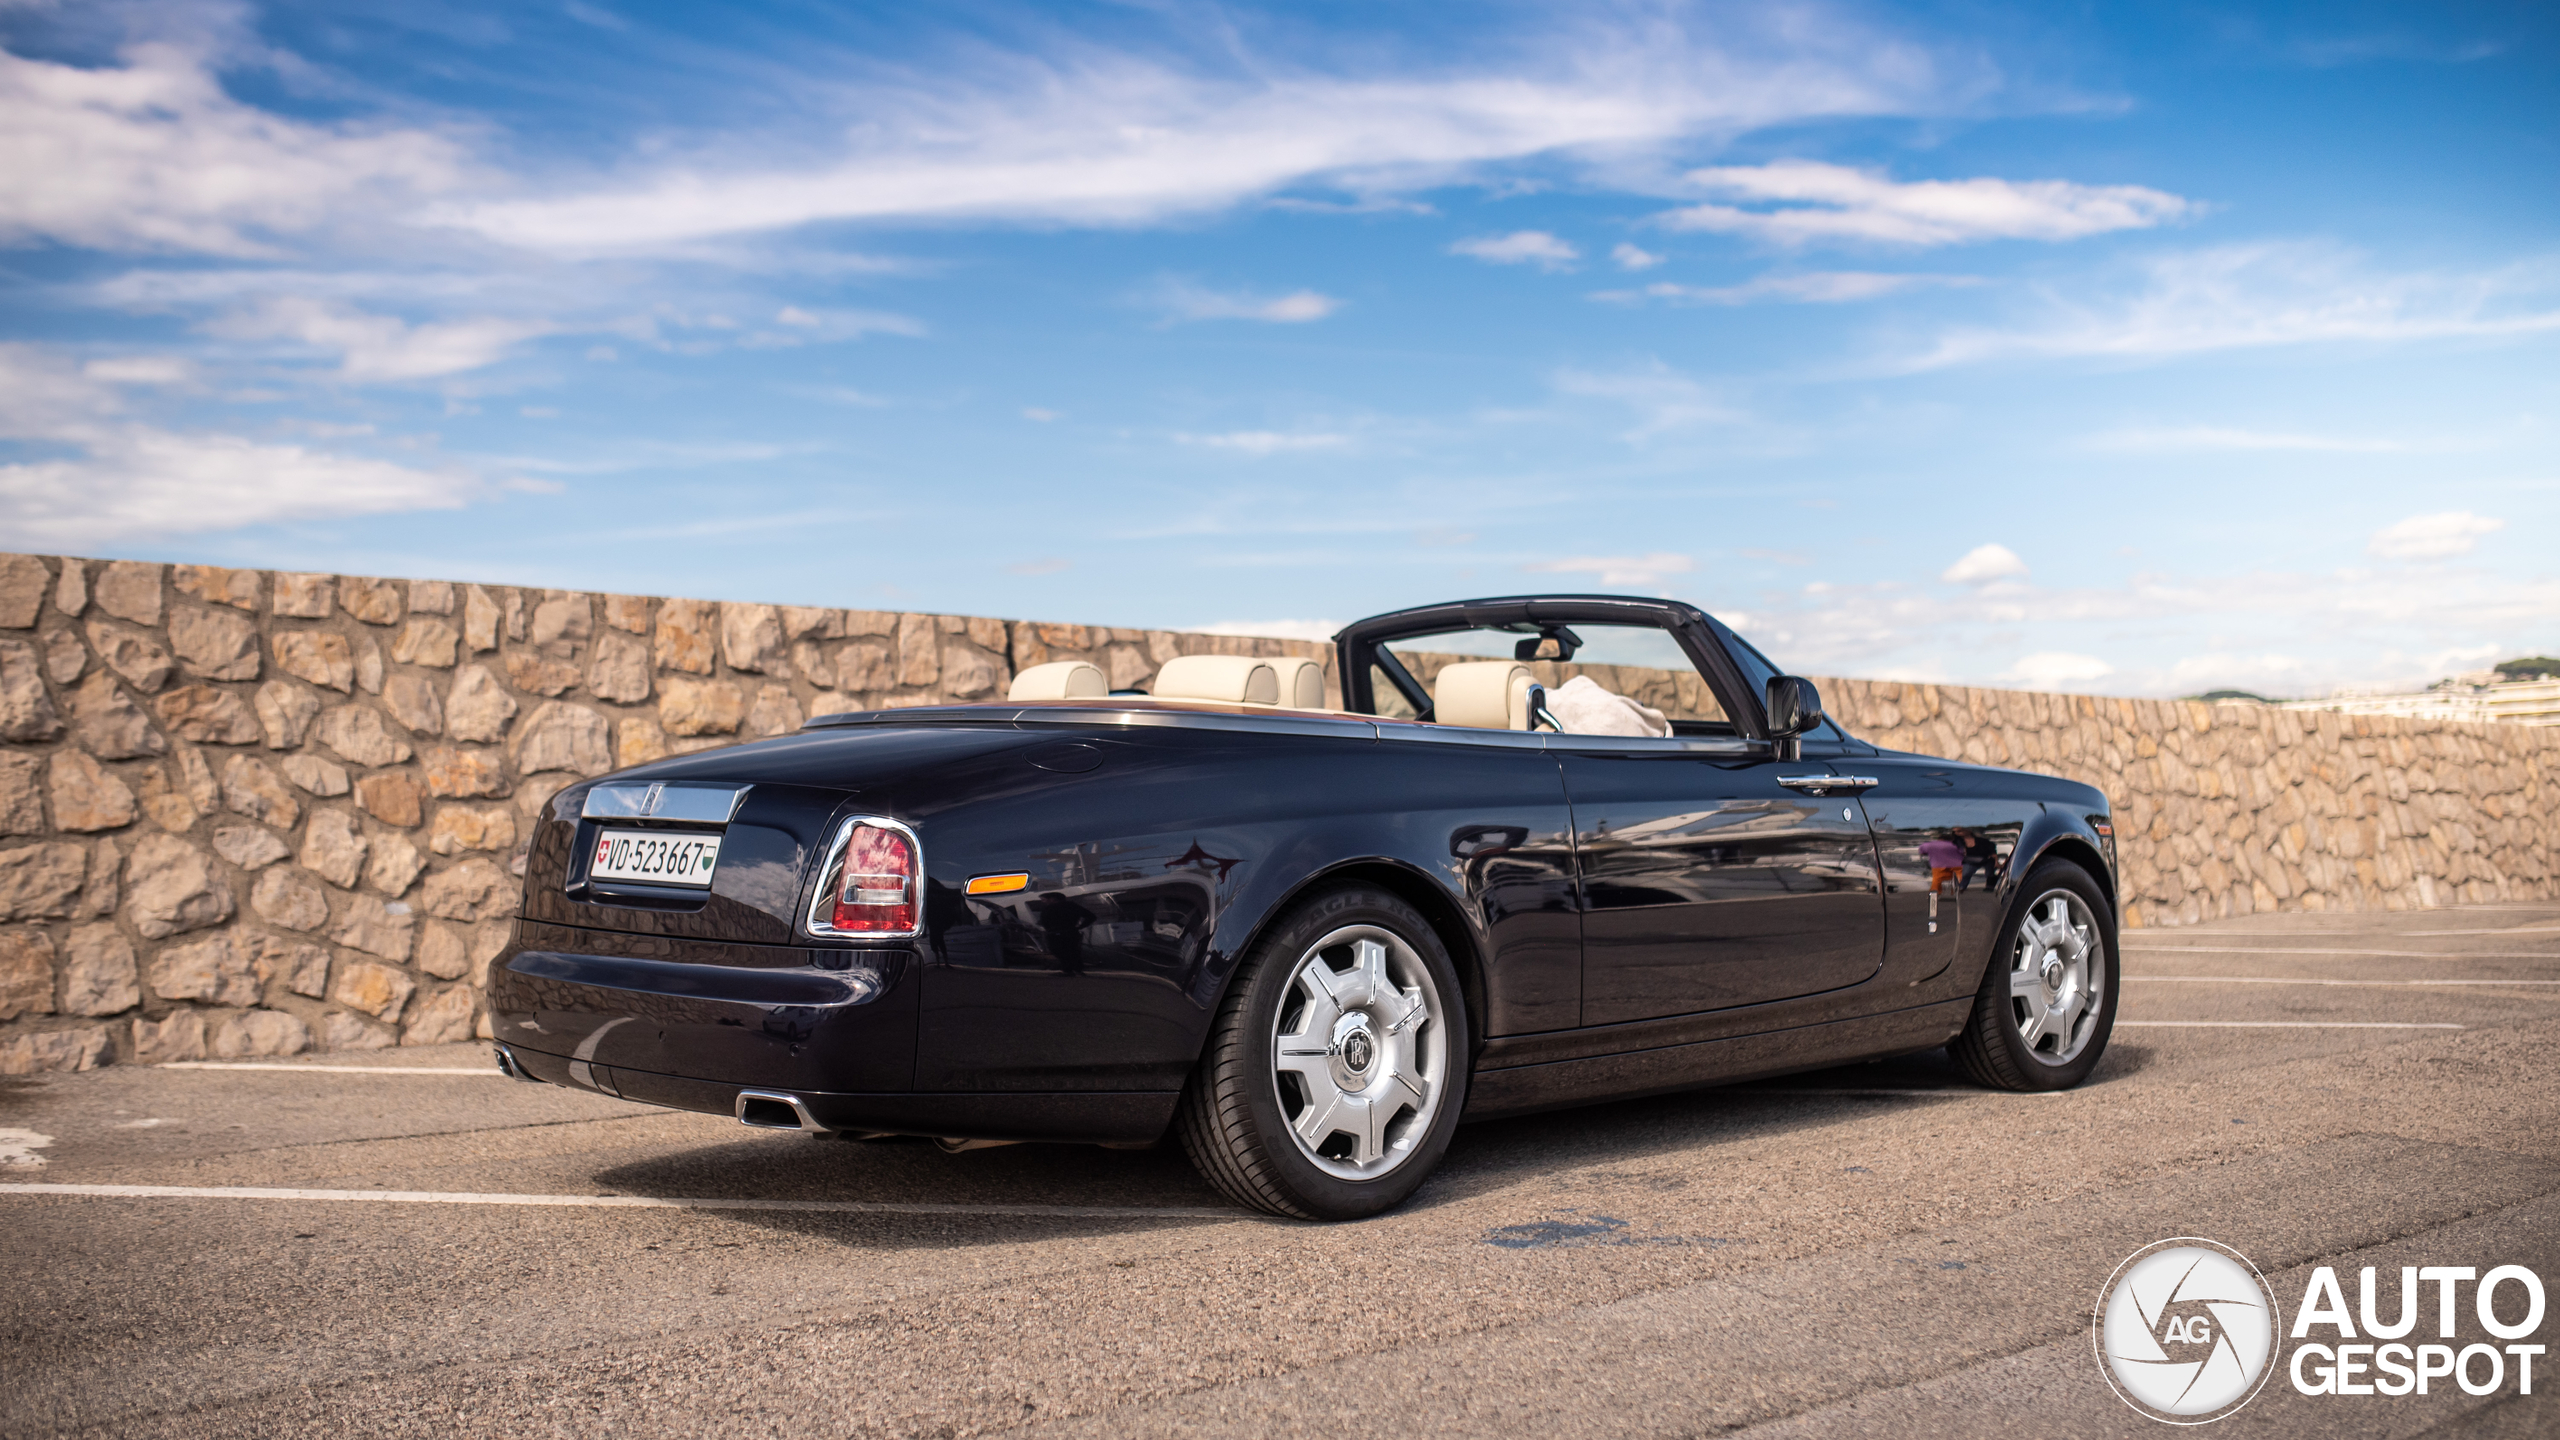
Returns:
(1794, 708)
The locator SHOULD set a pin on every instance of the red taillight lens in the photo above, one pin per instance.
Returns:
(876, 889)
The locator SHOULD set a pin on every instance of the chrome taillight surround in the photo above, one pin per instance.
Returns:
(819, 922)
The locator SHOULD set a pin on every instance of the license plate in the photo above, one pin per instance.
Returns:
(655, 857)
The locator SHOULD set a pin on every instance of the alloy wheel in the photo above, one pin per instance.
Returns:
(2057, 977)
(1360, 1052)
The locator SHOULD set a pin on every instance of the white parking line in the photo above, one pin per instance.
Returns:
(2280, 980)
(2284, 1025)
(625, 1202)
(2378, 954)
(2509, 930)
(492, 1073)
(1898, 1094)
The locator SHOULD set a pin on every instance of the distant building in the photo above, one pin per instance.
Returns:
(2481, 696)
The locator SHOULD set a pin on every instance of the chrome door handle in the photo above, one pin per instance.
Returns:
(1820, 783)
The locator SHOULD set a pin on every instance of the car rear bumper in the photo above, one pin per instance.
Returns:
(1082, 1116)
(690, 1025)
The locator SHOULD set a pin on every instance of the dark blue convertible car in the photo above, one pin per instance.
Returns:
(1544, 851)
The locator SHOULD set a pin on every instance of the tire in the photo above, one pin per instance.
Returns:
(1353, 1117)
(2049, 994)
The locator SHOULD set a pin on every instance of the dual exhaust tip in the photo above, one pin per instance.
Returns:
(782, 1110)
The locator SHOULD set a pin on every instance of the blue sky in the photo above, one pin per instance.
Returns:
(2139, 349)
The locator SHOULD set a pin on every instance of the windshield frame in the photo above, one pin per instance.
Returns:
(1363, 644)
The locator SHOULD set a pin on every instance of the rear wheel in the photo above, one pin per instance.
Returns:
(1337, 1064)
(2048, 999)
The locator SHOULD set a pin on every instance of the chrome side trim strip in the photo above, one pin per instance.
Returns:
(1824, 784)
(1276, 723)
(1342, 727)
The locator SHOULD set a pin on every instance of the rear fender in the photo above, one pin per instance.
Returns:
(1457, 921)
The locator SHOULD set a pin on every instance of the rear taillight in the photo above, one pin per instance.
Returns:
(876, 887)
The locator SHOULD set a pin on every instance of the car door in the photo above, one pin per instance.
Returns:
(1706, 883)
(1945, 837)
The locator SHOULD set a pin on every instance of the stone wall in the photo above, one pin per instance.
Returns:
(253, 813)
(2235, 809)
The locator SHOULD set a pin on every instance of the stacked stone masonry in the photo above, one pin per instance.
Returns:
(249, 813)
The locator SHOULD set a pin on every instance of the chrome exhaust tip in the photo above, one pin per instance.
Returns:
(776, 1110)
(508, 1067)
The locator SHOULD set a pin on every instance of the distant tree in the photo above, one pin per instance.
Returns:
(2529, 667)
(2249, 695)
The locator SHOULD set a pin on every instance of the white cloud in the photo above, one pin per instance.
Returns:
(2057, 670)
(2440, 536)
(1084, 135)
(1630, 257)
(595, 15)
(1049, 566)
(2211, 437)
(125, 481)
(1042, 416)
(1321, 631)
(2256, 296)
(824, 327)
(847, 395)
(141, 370)
(2269, 675)
(1834, 202)
(379, 347)
(1985, 563)
(153, 155)
(2297, 633)
(138, 482)
(1266, 442)
(1183, 300)
(1641, 570)
(1822, 287)
(1521, 247)
(1665, 399)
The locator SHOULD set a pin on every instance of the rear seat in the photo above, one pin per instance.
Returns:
(1059, 680)
(1487, 694)
(1289, 682)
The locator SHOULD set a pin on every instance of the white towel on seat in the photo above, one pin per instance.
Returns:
(1582, 707)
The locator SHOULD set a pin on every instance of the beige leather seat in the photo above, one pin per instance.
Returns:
(1487, 694)
(1059, 680)
(1287, 681)
(1301, 682)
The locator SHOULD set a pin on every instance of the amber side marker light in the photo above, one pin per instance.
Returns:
(998, 884)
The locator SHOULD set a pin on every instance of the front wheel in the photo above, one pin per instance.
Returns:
(1337, 1064)
(2048, 997)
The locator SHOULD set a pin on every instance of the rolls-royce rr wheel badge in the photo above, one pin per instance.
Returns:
(1358, 1050)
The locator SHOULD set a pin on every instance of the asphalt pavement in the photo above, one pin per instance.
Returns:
(406, 1243)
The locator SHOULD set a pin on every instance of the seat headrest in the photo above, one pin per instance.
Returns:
(1059, 680)
(1232, 678)
(1487, 694)
(1301, 682)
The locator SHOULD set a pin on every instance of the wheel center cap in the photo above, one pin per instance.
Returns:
(2052, 972)
(1358, 1050)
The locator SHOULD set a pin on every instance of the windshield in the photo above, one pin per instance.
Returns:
(1601, 663)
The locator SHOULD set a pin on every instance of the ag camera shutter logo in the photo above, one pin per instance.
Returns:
(2186, 1330)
